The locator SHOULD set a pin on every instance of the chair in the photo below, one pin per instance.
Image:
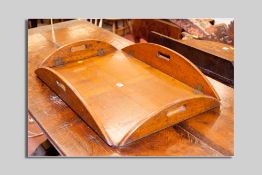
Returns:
(95, 22)
(126, 25)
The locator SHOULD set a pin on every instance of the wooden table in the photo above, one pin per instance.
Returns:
(34, 142)
(208, 134)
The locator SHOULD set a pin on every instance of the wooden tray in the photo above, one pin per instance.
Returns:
(127, 94)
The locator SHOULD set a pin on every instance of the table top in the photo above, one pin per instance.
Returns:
(208, 134)
(34, 142)
(221, 50)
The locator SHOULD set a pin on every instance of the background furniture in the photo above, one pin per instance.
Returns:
(120, 26)
(205, 29)
(97, 22)
(212, 58)
(142, 27)
(208, 134)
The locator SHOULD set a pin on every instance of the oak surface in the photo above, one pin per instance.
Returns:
(209, 134)
(34, 142)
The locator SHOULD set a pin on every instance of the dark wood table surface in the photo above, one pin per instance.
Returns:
(214, 59)
(208, 134)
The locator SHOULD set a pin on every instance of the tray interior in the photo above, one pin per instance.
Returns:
(121, 90)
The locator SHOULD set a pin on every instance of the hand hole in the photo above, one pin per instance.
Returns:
(78, 48)
(163, 56)
(172, 112)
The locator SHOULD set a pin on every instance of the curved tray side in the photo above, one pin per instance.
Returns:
(169, 115)
(173, 64)
(77, 51)
(71, 96)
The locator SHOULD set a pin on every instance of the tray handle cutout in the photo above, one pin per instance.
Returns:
(163, 56)
(78, 48)
(176, 111)
(77, 51)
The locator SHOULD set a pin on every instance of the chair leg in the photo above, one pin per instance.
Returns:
(129, 24)
(117, 27)
(124, 27)
(101, 23)
(33, 23)
(114, 27)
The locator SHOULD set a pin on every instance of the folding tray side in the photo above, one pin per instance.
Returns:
(173, 64)
(77, 51)
(74, 52)
(169, 115)
(177, 66)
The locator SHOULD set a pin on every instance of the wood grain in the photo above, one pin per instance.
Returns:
(72, 137)
(34, 142)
